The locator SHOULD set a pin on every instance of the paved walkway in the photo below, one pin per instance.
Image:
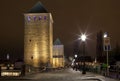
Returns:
(93, 75)
(64, 74)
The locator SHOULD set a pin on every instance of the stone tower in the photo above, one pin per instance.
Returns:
(38, 36)
(58, 54)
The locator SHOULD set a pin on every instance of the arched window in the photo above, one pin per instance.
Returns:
(45, 17)
(39, 18)
(28, 18)
(34, 17)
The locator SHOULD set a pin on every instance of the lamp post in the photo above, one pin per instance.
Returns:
(76, 64)
(83, 38)
(106, 48)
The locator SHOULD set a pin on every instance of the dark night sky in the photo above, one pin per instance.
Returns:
(71, 17)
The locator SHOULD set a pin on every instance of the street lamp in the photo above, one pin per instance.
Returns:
(105, 35)
(106, 44)
(75, 55)
(83, 38)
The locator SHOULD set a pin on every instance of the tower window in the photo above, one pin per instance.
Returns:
(34, 17)
(28, 18)
(30, 40)
(39, 18)
(32, 57)
(45, 17)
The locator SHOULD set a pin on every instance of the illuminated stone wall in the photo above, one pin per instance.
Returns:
(38, 39)
(58, 56)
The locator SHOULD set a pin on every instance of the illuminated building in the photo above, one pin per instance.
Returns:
(38, 37)
(58, 54)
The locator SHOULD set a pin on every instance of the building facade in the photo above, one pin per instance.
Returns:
(58, 54)
(38, 36)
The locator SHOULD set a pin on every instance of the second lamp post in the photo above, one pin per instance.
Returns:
(83, 38)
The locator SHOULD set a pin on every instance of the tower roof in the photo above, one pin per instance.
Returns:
(38, 8)
(57, 42)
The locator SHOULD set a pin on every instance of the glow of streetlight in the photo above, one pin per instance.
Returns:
(75, 56)
(83, 37)
(105, 35)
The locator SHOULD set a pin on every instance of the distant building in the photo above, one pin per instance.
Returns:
(38, 36)
(58, 54)
(99, 47)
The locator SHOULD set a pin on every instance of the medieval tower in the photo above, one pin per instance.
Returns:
(38, 36)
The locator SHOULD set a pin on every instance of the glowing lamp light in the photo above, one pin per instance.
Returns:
(83, 37)
(105, 35)
(75, 56)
